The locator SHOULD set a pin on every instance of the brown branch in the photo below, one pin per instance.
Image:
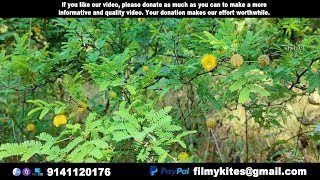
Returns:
(302, 73)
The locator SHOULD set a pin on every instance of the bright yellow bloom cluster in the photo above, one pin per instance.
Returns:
(211, 123)
(82, 107)
(59, 120)
(183, 156)
(113, 94)
(208, 62)
(145, 68)
(30, 127)
(37, 30)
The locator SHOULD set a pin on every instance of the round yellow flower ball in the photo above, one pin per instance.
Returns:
(264, 60)
(113, 94)
(145, 68)
(59, 120)
(82, 107)
(236, 60)
(183, 156)
(31, 127)
(211, 123)
(208, 62)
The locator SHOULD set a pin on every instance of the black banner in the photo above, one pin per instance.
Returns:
(170, 170)
(112, 8)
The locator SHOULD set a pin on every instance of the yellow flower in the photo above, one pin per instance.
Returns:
(145, 68)
(183, 156)
(59, 120)
(82, 107)
(98, 31)
(211, 123)
(30, 127)
(236, 60)
(37, 30)
(141, 20)
(113, 94)
(264, 60)
(208, 62)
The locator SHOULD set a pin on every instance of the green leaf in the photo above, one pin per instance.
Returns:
(279, 142)
(35, 103)
(42, 102)
(237, 85)
(44, 112)
(131, 89)
(182, 144)
(244, 95)
(279, 152)
(216, 104)
(117, 82)
(34, 110)
(259, 89)
(275, 122)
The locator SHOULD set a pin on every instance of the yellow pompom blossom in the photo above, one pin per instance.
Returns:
(113, 94)
(82, 107)
(30, 127)
(236, 60)
(141, 20)
(59, 120)
(208, 62)
(183, 156)
(145, 68)
(264, 60)
(37, 30)
(98, 31)
(211, 123)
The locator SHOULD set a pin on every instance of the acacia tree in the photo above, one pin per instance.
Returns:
(92, 90)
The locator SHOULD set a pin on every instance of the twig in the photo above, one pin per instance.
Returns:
(302, 73)
(216, 143)
(174, 159)
(30, 25)
(206, 153)
(247, 143)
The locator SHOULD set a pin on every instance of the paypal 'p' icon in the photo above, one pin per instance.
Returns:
(153, 170)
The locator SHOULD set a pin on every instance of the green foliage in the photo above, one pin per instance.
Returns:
(92, 71)
(153, 132)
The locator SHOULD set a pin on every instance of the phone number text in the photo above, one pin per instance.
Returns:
(78, 172)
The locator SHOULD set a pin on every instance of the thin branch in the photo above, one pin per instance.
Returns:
(30, 27)
(216, 143)
(302, 73)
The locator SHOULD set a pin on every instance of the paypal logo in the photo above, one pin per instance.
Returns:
(153, 170)
(172, 172)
